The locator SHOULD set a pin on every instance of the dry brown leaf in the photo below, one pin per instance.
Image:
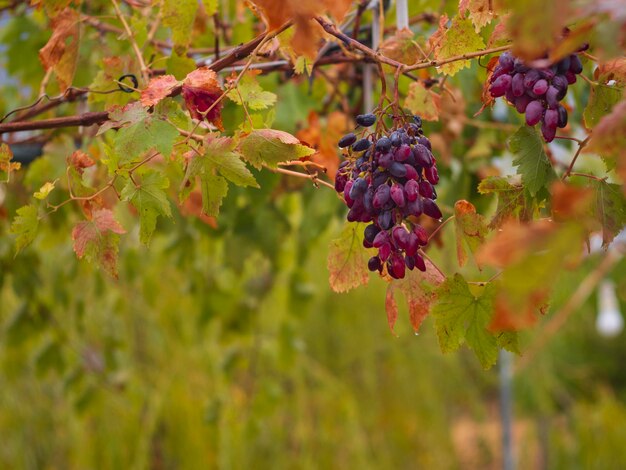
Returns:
(157, 89)
(61, 50)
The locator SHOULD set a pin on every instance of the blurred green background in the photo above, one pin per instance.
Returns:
(225, 348)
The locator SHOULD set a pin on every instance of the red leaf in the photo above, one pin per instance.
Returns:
(201, 90)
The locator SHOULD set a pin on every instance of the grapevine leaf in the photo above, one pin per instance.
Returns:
(61, 51)
(471, 229)
(418, 290)
(423, 102)
(179, 15)
(535, 24)
(610, 209)
(347, 260)
(150, 200)
(201, 92)
(157, 89)
(269, 147)
(609, 139)
(221, 154)
(459, 39)
(214, 189)
(179, 65)
(98, 240)
(460, 317)
(6, 165)
(602, 98)
(44, 191)
(401, 47)
(133, 141)
(512, 201)
(480, 12)
(253, 96)
(531, 256)
(531, 159)
(25, 226)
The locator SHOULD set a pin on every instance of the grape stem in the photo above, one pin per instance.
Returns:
(443, 224)
(581, 146)
(311, 176)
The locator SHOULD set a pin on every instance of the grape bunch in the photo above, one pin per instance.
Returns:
(536, 91)
(387, 180)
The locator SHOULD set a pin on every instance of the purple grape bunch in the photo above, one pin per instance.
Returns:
(536, 92)
(387, 180)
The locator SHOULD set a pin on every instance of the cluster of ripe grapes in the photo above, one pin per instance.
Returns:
(536, 92)
(388, 180)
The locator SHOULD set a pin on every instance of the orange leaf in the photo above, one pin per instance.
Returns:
(570, 202)
(80, 160)
(61, 50)
(417, 289)
(157, 89)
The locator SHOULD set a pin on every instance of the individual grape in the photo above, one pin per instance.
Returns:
(431, 175)
(412, 189)
(548, 132)
(431, 209)
(423, 156)
(397, 169)
(571, 77)
(374, 264)
(365, 120)
(426, 189)
(370, 232)
(522, 102)
(400, 236)
(415, 208)
(425, 142)
(419, 263)
(410, 262)
(411, 172)
(384, 251)
(397, 194)
(340, 182)
(560, 82)
(347, 140)
(381, 196)
(402, 153)
(575, 65)
(562, 122)
(385, 220)
(396, 266)
(380, 239)
(383, 144)
(517, 84)
(540, 87)
(421, 234)
(396, 141)
(552, 97)
(361, 145)
(412, 244)
(506, 62)
(500, 85)
(563, 65)
(531, 78)
(551, 118)
(534, 112)
(358, 189)
(385, 160)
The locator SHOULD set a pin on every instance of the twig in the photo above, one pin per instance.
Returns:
(470, 55)
(443, 224)
(311, 176)
(581, 145)
(133, 42)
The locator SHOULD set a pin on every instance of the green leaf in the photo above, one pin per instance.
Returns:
(179, 65)
(150, 200)
(610, 209)
(347, 259)
(602, 98)
(533, 163)
(269, 147)
(214, 189)
(25, 226)
(179, 15)
(132, 142)
(460, 317)
(252, 94)
(219, 156)
(512, 201)
(460, 38)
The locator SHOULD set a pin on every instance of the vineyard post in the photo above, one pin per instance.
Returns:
(506, 408)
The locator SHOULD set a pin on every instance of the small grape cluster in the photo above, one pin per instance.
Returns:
(387, 180)
(536, 91)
